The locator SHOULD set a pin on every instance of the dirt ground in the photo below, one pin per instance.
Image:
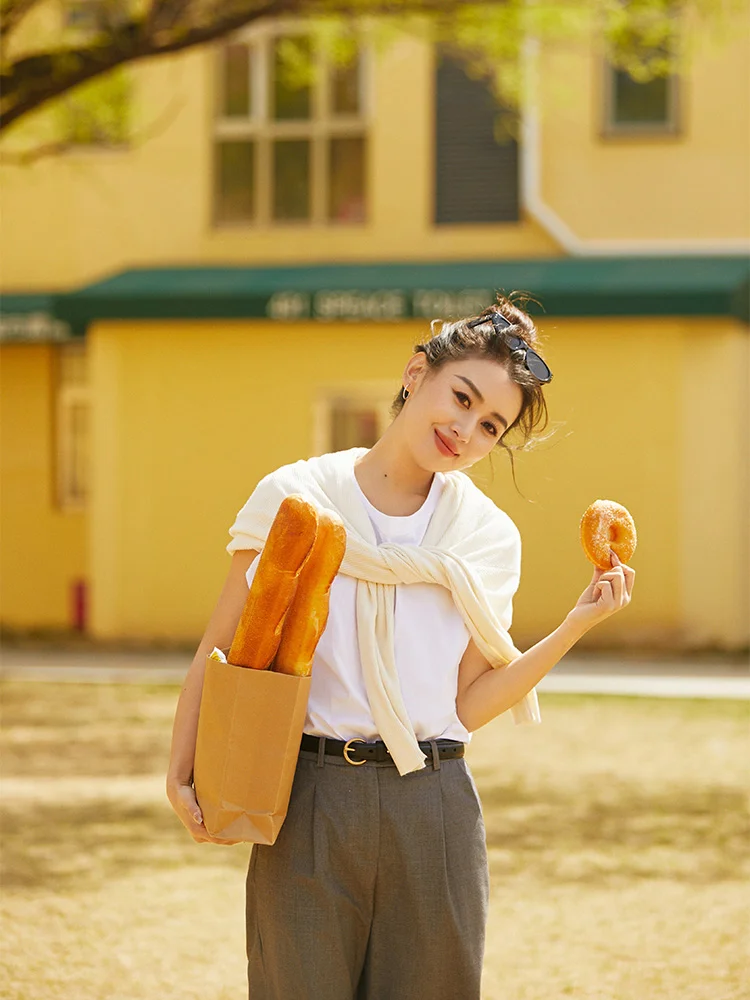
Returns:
(618, 837)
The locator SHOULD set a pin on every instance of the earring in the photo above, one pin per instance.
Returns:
(404, 392)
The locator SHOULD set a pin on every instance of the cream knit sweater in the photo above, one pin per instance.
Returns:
(471, 547)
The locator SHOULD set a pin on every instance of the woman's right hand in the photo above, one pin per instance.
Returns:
(607, 593)
(219, 632)
(182, 799)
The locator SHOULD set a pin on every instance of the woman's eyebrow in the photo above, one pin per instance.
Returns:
(480, 397)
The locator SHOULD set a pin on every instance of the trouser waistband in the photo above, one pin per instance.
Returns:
(357, 751)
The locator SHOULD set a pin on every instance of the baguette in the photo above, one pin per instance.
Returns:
(289, 543)
(308, 614)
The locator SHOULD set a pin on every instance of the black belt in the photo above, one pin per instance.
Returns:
(358, 751)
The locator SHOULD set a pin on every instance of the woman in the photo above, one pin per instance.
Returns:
(377, 886)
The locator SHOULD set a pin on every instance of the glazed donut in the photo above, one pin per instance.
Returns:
(607, 525)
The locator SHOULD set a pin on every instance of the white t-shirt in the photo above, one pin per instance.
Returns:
(430, 639)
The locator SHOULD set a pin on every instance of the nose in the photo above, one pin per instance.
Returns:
(459, 433)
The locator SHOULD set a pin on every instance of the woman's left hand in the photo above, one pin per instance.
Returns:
(609, 591)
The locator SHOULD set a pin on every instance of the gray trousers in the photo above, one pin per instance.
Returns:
(376, 889)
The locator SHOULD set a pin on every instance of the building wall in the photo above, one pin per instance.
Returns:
(714, 491)
(186, 424)
(689, 186)
(151, 204)
(43, 549)
(187, 417)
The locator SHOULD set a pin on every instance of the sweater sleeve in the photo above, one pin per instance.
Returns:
(526, 711)
(497, 559)
(512, 575)
(494, 550)
(254, 519)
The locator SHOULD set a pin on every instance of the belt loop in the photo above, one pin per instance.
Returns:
(435, 755)
(321, 750)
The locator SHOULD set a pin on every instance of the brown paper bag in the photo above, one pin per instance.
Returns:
(249, 733)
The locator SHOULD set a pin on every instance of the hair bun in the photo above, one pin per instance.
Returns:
(511, 307)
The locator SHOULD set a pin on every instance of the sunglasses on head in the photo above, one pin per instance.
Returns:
(538, 368)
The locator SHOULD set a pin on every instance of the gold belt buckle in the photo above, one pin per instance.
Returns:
(354, 739)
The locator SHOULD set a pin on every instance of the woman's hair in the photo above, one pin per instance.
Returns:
(457, 341)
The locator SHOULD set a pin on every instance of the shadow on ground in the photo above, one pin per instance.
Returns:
(81, 846)
(698, 836)
(667, 812)
(695, 836)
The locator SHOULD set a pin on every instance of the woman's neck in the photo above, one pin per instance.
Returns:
(391, 480)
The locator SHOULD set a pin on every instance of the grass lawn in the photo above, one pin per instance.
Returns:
(618, 836)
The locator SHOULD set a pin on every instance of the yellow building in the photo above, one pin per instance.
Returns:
(244, 287)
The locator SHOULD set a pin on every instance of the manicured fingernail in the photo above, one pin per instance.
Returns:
(197, 817)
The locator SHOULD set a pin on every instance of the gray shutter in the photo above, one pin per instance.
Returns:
(476, 177)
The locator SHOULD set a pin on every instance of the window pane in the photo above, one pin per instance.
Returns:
(353, 426)
(637, 103)
(345, 89)
(84, 16)
(290, 86)
(236, 81)
(235, 181)
(291, 179)
(346, 200)
(94, 16)
(476, 174)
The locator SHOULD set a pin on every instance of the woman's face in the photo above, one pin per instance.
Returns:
(469, 404)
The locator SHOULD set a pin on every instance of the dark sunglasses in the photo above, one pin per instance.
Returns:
(531, 359)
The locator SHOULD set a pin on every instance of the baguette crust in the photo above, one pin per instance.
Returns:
(308, 614)
(288, 546)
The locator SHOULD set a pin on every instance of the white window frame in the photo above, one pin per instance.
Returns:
(68, 396)
(376, 394)
(610, 127)
(263, 130)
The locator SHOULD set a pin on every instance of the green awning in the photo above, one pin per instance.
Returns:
(621, 286)
(30, 318)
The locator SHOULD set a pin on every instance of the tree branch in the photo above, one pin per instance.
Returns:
(168, 26)
(30, 156)
(35, 79)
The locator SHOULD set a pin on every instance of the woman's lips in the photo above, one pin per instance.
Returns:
(443, 448)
